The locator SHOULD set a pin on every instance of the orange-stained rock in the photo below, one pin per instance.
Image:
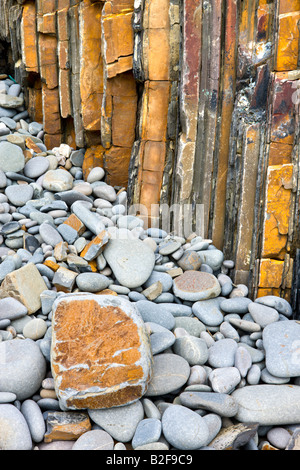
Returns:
(95, 246)
(270, 273)
(66, 426)
(91, 64)
(51, 264)
(51, 110)
(287, 44)
(280, 153)
(117, 36)
(107, 292)
(30, 144)
(74, 222)
(29, 40)
(278, 210)
(93, 157)
(46, 24)
(155, 110)
(100, 353)
(116, 165)
(48, 60)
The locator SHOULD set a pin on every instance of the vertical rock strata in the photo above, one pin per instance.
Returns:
(186, 102)
(112, 369)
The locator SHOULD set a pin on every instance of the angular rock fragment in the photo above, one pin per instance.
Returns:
(25, 285)
(66, 426)
(100, 354)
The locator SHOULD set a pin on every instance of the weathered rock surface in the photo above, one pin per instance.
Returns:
(108, 361)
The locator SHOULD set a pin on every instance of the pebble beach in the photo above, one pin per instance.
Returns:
(96, 309)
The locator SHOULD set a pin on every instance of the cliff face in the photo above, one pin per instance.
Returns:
(199, 100)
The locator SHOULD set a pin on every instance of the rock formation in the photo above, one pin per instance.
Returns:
(192, 102)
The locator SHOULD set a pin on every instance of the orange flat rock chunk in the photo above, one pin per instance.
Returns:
(101, 355)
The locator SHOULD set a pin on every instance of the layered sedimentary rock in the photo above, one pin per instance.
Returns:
(186, 103)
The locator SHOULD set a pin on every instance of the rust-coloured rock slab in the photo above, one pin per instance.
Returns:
(100, 355)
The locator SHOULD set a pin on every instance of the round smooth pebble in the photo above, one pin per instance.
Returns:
(57, 180)
(7, 397)
(193, 349)
(49, 234)
(148, 430)
(235, 305)
(92, 282)
(96, 174)
(184, 429)
(96, 439)
(224, 379)
(35, 329)
(11, 157)
(119, 422)
(278, 437)
(242, 360)
(170, 372)
(36, 167)
(19, 194)
(14, 431)
(23, 367)
(222, 353)
(34, 418)
(131, 261)
(262, 314)
(208, 311)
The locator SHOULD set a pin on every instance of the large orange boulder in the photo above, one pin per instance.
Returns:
(101, 355)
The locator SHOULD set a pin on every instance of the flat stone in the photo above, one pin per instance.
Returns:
(268, 405)
(148, 430)
(34, 418)
(94, 440)
(95, 246)
(10, 102)
(49, 234)
(36, 167)
(25, 285)
(220, 403)
(222, 353)
(195, 285)
(57, 180)
(120, 422)
(262, 314)
(64, 279)
(208, 311)
(151, 312)
(131, 261)
(235, 305)
(14, 432)
(281, 342)
(170, 372)
(19, 194)
(12, 309)
(183, 428)
(92, 282)
(22, 367)
(116, 370)
(280, 304)
(11, 157)
(193, 349)
(82, 210)
(192, 325)
(105, 191)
